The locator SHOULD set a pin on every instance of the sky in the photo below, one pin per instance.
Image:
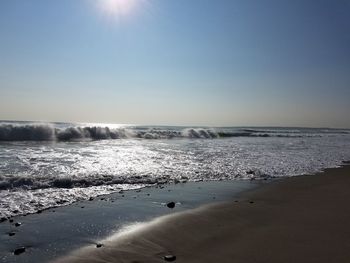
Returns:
(183, 62)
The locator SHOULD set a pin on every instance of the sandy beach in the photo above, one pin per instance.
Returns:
(299, 219)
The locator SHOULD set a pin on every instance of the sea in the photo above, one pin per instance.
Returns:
(44, 165)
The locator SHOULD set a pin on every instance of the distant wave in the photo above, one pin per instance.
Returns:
(48, 132)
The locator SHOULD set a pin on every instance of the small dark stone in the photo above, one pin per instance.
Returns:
(18, 224)
(91, 199)
(99, 245)
(11, 220)
(250, 172)
(148, 194)
(61, 202)
(19, 250)
(170, 205)
(15, 211)
(170, 258)
(251, 202)
(102, 199)
(83, 207)
(39, 211)
(12, 234)
(3, 219)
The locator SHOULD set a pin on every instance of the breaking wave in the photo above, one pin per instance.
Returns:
(50, 132)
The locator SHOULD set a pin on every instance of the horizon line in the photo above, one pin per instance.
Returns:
(172, 125)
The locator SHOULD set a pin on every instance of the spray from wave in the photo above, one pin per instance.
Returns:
(43, 132)
(50, 132)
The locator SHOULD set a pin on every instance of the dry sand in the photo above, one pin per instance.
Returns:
(300, 219)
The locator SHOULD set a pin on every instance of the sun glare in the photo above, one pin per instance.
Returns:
(118, 7)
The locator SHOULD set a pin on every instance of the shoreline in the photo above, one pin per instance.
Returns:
(59, 231)
(297, 219)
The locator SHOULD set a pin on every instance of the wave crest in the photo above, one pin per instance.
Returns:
(52, 132)
(34, 132)
(45, 132)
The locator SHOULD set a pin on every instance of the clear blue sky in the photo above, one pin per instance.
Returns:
(179, 62)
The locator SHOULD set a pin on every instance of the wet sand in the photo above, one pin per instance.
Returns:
(59, 231)
(299, 219)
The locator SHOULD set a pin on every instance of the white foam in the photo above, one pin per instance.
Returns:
(36, 175)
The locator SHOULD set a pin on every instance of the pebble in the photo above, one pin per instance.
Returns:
(61, 202)
(99, 245)
(18, 224)
(12, 234)
(3, 219)
(170, 205)
(19, 250)
(170, 258)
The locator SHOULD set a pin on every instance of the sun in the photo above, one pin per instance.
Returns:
(118, 7)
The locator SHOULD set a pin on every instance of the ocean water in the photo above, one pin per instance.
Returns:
(44, 165)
